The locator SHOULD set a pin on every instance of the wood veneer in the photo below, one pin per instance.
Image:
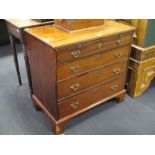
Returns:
(50, 65)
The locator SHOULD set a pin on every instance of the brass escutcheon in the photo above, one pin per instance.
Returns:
(118, 55)
(98, 57)
(79, 45)
(116, 70)
(120, 42)
(75, 86)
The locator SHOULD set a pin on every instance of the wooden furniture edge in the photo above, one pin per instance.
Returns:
(24, 27)
(58, 125)
(78, 42)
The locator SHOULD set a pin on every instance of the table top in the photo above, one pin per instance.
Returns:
(24, 23)
(58, 38)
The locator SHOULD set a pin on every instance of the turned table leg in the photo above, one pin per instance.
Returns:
(14, 52)
(24, 47)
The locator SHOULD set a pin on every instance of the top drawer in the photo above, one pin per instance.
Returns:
(88, 48)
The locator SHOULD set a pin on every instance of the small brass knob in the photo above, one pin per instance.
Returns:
(114, 88)
(116, 70)
(79, 45)
(75, 54)
(74, 105)
(74, 69)
(75, 86)
(120, 42)
(100, 45)
(118, 55)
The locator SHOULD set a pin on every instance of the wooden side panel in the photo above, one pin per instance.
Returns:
(43, 68)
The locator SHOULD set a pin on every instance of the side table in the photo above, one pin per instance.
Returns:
(16, 30)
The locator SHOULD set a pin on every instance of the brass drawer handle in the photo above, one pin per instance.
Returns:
(114, 88)
(75, 54)
(119, 42)
(118, 55)
(100, 45)
(75, 86)
(74, 105)
(116, 70)
(74, 69)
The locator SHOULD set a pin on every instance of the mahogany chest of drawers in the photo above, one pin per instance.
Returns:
(74, 72)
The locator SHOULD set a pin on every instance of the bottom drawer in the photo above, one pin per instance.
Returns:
(91, 96)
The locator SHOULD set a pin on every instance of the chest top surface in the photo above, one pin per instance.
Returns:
(23, 23)
(57, 38)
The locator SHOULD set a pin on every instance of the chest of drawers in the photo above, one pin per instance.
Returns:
(74, 72)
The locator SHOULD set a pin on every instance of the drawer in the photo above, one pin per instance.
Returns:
(85, 49)
(90, 97)
(90, 79)
(90, 63)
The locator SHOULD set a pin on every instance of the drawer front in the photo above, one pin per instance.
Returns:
(90, 63)
(90, 97)
(89, 48)
(80, 83)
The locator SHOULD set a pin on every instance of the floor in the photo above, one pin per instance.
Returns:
(18, 117)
